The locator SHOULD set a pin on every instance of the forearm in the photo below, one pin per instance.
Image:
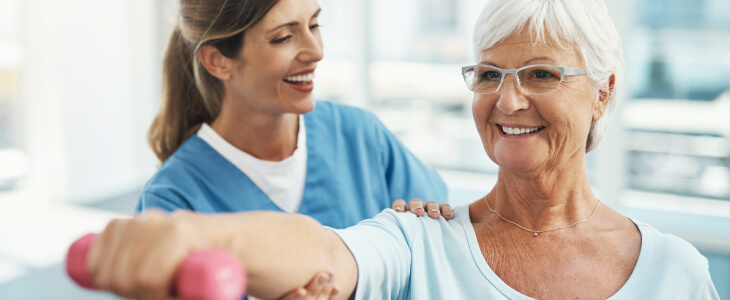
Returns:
(283, 251)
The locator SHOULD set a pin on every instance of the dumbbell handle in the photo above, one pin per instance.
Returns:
(204, 275)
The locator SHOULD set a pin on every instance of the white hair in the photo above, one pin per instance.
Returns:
(583, 24)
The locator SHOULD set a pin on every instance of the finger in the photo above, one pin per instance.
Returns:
(433, 209)
(149, 283)
(416, 206)
(399, 205)
(296, 294)
(317, 283)
(125, 264)
(446, 211)
(156, 270)
(335, 292)
(326, 290)
(104, 255)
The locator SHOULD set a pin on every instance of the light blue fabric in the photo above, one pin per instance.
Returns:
(355, 169)
(401, 256)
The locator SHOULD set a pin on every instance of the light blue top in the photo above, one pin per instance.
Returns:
(401, 256)
(355, 169)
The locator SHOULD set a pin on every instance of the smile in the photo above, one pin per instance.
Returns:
(520, 131)
(300, 79)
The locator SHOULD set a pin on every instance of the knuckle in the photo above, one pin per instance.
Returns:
(112, 225)
(146, 283)
(122, 287)
(102, 281)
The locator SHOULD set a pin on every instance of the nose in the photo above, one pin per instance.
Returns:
(312, 48)
(511, 97)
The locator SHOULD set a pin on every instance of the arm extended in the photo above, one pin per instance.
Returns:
(137, 257)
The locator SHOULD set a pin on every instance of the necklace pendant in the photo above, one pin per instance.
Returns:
(536, 233)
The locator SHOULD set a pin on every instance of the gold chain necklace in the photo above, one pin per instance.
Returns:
(536, 232)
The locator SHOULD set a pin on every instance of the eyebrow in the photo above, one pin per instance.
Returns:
(295, 22)
(489, 63)
(541, 58)
(527, 62)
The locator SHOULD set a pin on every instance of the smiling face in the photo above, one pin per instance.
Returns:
(275, 68)
(526, 133)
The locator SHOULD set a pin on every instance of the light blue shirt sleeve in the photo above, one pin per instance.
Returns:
(382, 252)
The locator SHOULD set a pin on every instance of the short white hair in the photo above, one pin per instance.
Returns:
(583, 24)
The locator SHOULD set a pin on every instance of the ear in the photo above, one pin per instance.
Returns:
(604, 96)
(215, 62)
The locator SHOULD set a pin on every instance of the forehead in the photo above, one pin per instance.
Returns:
(520, 49)
(286, 11)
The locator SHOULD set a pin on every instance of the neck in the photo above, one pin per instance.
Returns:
(553, 198)
(264, 135)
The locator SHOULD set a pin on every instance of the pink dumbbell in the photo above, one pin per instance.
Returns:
(204, 275)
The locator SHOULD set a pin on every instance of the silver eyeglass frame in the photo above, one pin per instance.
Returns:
(564, 71)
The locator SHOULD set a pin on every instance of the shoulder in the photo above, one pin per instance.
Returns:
(342, 114)
(669, 253)
(180, 178)
(180, 167)
(412, 227)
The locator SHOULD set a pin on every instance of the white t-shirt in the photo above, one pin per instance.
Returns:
(282, 181)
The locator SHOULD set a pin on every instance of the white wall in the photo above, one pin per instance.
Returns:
(91, 86)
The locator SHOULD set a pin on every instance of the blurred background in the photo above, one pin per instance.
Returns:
(80, 84)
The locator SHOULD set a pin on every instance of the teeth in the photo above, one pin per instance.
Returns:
(299, 78)
(518, 131)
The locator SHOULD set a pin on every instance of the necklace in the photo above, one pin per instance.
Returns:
(536, 232)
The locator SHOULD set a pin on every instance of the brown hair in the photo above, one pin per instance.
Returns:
(191, 95)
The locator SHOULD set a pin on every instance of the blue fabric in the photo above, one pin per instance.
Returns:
(401, 256)
(355, 169)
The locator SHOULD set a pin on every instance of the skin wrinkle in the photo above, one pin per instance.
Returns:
(543, 184)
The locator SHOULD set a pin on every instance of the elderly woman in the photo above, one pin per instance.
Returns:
(546, 83)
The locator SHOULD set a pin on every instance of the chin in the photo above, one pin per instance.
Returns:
(305, 105)
(517, 161)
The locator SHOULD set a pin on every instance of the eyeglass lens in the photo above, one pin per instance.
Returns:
(533, 80)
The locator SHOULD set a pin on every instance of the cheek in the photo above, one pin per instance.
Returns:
(572, 123)
(481, 109)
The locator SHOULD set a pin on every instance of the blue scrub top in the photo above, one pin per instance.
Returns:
(355, 168)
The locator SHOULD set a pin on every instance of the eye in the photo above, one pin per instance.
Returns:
(542, 74)
(491, 75)
(281, 40)
(314, 26)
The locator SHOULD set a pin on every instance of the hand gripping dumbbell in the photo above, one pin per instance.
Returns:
(204, 275)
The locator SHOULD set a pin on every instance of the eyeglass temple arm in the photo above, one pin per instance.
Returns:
(571, 71)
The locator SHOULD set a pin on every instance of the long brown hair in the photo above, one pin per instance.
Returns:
(191, 95)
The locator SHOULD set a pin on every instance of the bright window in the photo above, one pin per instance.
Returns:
(12, 158)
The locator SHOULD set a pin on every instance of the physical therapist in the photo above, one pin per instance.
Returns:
(239, 129)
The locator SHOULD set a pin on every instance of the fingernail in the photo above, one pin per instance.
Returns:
(447, 214)
(417, 208)
(323, 279)
(434, 210)
(398, 209)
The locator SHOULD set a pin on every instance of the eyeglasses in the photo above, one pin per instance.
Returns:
(534, 79)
